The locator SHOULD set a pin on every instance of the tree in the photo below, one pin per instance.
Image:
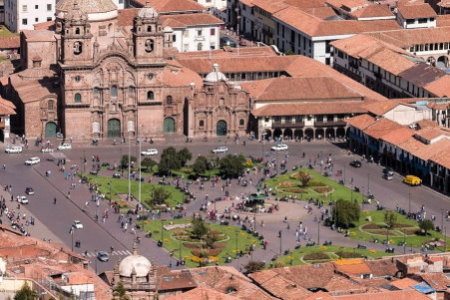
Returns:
(200, 166)
(169, 161)
(148, 163)
(199, 228)
(25, 293)
(159, 196)
(345, 213)
(124, 161)
(426, 225)
(184, 155)
(254, 266)
(119, 292)
(210, 238)
(304, 178)
(232, 166)
(390, 218)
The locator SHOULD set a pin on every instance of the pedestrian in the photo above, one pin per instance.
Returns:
(54, 200)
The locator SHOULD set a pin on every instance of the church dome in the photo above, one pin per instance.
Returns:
(215, 75)
(147, 12)
(135, 264)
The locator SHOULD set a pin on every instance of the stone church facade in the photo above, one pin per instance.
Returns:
(99, 74)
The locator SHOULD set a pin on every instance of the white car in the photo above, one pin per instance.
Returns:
(32, 161)
(149, 152)
(77, 224)
(22, 199)
(220, 149)
(280, 147)
(13, 149)
(65, 146)
(47, 150)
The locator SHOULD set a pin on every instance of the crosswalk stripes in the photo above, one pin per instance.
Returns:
(114, 253)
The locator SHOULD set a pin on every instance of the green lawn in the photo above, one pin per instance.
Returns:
(120, 186)
(4, 32)
(404, 230)
(186, 172)
(234, 238)
(317, 254)
(320, 187)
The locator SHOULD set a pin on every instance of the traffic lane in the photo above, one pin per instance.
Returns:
(59, 217)
(394, 192)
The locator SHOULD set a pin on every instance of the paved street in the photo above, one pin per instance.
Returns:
(102, 235)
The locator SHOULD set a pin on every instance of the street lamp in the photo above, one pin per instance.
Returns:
(280, 236)
(140, 170)
(72, 233)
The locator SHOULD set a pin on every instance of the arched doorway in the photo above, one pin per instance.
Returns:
(340, 132)
(268, 134)
(442, 62)
(169, 125)
(221, 128)
(298, 134)
(50, 129)
(277, 134)
(329, 133)
(319, 134)
(287, 134)
(114, 128)
(309, 133)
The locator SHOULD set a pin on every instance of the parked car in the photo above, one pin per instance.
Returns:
(33, 161)
(117, 175)
(388, 174)
(12, 149)
(29, 191)
(220, 149)
(47, 150)
(22, 199)
(280, 147)
(356, 164)
(77, 224)
(103, 256)
(412, 180)
(149, 152)
(65, 146)
(390, 250)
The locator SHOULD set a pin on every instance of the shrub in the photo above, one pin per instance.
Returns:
(315, 256)
(348, 254)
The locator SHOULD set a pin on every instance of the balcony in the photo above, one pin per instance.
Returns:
(288, 125)
(329, 124)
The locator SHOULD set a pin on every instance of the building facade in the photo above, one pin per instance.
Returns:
(23, 14)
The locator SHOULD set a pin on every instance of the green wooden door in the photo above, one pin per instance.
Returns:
(221, 128)
(169, 125)
(114, 128)
(50, 129)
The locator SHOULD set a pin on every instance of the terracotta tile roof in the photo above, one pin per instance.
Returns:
(361, 122)
(321, 12)
(166, 6)
(319, 108)
(407, 38)
(382, 267)
(421, 74)
(373, 11)
(391, 61)
(381, 127)
(299, 89)
(187, 20)
(398, 136)
(426, 123)
(179, 77)
(352, 267)
(391, 295)
(416, 11)
(201, 293)
(404, 283)
(229, 52)
(379, 108)
(443, 20)
(320, 295)
(348, 5)
(281, 287)
(430, 133)
(442, 158)
(313, 26)
(7, 107)
(437, 281)
(31, 87)
(10, 42)
(49, 25)
(440, 87)
(39, 35)
(429, 151)
(270, 6)
(223, 277)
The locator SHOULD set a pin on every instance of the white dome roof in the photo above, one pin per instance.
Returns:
(147, 12)
(215, 75)
(135, 263)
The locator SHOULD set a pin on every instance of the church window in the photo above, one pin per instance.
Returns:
(150, 76)
(241, 122)
(77, 48)
(149, 45)
(114, 91)
(149, 28)
(96, 92)
(77, 98)
(77, 78)
(169, 100)
(221, 101)
(201, 123)
(199, 47)
(77, 31)
(150, 95)
(50, 105)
